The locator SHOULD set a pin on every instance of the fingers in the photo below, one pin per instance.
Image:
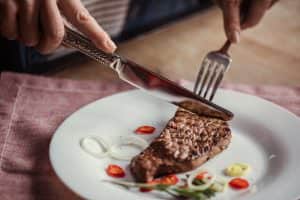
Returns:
(77, 14)
(8, 19)
(52, 27)
(28, 22)
(256, 12)
(231, 16)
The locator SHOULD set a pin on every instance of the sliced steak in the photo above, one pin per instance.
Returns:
(187, 142)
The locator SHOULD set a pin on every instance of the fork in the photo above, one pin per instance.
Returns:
(211, 72)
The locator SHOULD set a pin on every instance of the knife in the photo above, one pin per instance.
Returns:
(144, 79)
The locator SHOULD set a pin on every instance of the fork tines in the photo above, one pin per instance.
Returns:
(211, 74)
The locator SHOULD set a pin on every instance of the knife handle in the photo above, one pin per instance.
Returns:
(84, 45)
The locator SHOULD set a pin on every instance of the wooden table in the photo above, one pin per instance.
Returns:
(267, 54)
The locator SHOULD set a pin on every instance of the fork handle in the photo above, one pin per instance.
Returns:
(225, 47)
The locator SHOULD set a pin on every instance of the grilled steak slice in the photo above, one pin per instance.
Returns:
(187, 142)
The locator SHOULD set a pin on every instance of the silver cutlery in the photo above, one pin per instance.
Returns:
(212, 71)
(142, 78)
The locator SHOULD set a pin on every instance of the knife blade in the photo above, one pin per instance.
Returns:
(142, 78)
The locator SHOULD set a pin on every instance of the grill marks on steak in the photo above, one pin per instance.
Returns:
(187, 141)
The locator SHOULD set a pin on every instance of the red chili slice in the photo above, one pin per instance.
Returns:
(239, 183)
(115, 171)
(202, 175)
(145, 130)
(166, 180)
(169, 180)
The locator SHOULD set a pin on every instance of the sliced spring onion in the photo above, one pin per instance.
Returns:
(219, 186)
(207, 181)
(95, 146)
(116, 152)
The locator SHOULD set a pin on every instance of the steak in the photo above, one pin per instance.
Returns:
(187, 141)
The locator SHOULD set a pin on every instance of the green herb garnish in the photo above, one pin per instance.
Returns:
(198, 182)
(177, 191)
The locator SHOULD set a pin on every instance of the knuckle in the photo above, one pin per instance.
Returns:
(56, 36)
(82, 16)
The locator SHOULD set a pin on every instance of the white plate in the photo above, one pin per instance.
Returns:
(264, 135)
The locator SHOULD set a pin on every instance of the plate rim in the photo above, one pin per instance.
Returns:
(275, 105)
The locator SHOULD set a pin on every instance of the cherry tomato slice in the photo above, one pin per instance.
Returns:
(115, 171)
(239, 183)
(145, 130)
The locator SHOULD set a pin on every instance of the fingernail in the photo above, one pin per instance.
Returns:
(235, 37)
(110, 45)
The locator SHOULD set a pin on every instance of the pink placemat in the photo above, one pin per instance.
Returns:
(31, 108)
